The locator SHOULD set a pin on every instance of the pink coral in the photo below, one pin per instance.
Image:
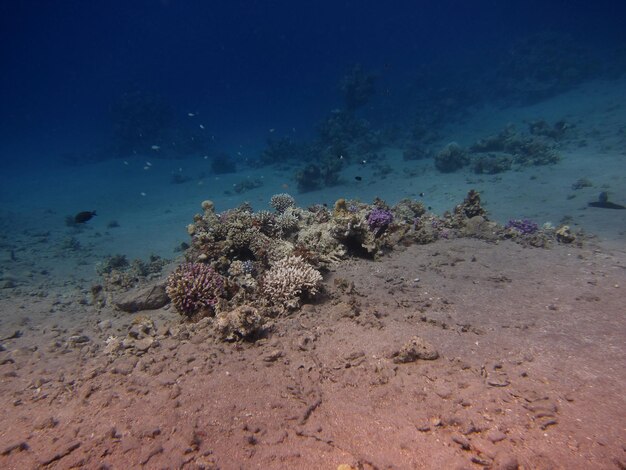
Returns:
(194, 287)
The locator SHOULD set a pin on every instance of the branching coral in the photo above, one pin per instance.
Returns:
(281, 202)
(288, 281)
(194, 287)
(379, 219)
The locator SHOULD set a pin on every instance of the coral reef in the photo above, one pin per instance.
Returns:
(195, 288)
(271, 261)
(451, 158)
(555, 131)
(313, 177)
(522, 149)
(492, 163)
(118, 273)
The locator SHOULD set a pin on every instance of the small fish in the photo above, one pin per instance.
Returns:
(190, 114)
(84, 216)
(421, 194)
(272, 130)
(358, 178)
(156, 147)
(201, 126)
(284, 186)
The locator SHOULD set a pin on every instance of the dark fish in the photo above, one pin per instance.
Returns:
(84, 216)
(421, 194)
(358, 178)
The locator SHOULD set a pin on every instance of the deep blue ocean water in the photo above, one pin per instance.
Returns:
(142, 109)
(248, 66)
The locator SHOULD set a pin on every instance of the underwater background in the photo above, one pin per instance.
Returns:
(140, 110)
(339, 234)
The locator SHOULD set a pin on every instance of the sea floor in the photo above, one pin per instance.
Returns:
(531, 342)
(530, 372)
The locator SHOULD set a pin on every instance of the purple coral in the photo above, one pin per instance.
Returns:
(379, 219)
(194, 287)
(524, 226)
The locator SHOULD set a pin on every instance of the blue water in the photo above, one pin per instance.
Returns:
(106, 105)
(247, 66)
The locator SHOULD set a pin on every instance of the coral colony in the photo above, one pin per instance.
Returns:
(379, 219)
(194, 287)
(523, 226)
(264, 264)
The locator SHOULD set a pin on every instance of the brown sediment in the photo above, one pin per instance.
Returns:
(530, 346)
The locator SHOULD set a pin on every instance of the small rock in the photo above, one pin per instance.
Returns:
(147, 298)
(124, 366)
(77, 340)
(500, 380)
(463, 442)
(443, 391)
(144, 344)
(273, 356)
(244, 322)
(496, 436)
(175, 392)
(416, 348)
(547, 422)
(47, 423)
(16, 446)
(505, 462)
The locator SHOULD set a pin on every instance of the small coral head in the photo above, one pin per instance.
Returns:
(524, 226)
(194, 287)
(379, 219)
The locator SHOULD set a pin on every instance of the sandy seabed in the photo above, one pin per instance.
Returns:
(530, 373)
(531, 342)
